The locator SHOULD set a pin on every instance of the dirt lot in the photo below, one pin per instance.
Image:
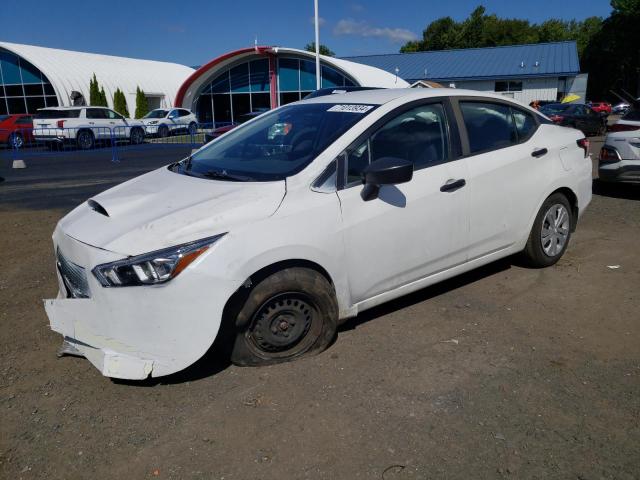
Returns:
(506, 372)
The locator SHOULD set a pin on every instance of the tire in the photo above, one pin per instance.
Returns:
(85, 140)
(136, 137)
(555, 220)
(192, 129)
(163, 131)
(15, 140)
(289, 314)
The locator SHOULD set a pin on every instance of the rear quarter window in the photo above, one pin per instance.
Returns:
(44, 114)
(489, 126)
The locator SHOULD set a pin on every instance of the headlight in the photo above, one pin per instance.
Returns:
(152, 268)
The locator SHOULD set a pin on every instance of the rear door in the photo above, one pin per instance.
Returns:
(98, 122)
(505, 173)
(411, 230)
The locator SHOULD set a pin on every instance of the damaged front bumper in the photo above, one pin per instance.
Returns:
(133, 332)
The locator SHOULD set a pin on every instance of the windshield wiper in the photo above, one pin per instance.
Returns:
(223, 175)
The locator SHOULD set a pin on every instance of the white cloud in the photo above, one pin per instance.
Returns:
(363, 29)
(321, 21)
(358, 8)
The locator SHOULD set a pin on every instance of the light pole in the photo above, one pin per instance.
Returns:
(315, 6)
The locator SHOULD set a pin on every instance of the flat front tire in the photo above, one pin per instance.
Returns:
(550, 233)
(287, 315)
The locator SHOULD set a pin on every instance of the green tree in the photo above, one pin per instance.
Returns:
(120, 103)
(97, 96)
(324, 50)
(94, 91)
(142, 106)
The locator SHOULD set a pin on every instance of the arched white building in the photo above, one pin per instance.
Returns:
(33, 77)
(263, 77)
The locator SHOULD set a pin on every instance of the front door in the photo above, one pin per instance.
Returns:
(411, 230)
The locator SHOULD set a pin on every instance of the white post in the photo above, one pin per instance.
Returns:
(315, 5)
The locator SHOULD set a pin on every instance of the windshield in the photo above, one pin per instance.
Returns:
(156, 114)
(276, 145)
(555, 108)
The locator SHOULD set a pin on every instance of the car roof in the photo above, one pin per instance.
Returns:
(382, 96)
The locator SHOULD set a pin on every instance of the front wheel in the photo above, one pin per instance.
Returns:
(137, 136)
(551, 232)
(163, 131)
(16, 140)
(290, 314)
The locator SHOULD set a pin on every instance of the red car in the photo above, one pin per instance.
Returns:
(601, 107)
(16, 130)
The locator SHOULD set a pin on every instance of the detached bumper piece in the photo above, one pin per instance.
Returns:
(106, 354)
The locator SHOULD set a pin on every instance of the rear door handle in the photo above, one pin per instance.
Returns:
(539, 152)
(453, 185)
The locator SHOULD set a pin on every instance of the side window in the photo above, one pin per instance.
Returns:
(184, 113)
(23, 121)
(113, 115)
(419, 135)
(489, 126)
(96, 113)
(525, 123)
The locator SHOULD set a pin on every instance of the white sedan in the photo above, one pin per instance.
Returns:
(270, 236)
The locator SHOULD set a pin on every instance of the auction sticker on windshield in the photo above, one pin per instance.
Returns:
(351, 108)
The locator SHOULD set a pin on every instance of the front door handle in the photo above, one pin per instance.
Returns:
(453, 185)
(539, 152)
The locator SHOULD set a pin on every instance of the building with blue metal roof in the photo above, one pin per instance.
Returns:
(543, 71)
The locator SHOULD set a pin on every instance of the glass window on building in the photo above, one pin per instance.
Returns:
(245, 88)
(23, 88)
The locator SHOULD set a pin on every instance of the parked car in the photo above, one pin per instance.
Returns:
(620, 108)
(16, 130)
(216, 132)
(575, 115)
(620, 154)
(84, 126)
(269, 237)
(163, 122)
(603, 108)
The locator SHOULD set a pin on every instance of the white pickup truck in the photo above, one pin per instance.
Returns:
(84, 126)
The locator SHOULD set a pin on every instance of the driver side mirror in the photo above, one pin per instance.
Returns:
(384, 171)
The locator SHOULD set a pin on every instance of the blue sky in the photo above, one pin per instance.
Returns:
(192, 32)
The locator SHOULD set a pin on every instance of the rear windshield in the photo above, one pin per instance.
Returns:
(43, 114)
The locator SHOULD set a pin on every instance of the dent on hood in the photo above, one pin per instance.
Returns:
(161, 209)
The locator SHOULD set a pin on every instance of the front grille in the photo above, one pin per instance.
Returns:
(73, 276)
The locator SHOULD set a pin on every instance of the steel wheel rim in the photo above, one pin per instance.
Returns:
(284, 325)
(555, 230)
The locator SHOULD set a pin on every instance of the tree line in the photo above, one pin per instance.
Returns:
(609, 49)
(98, 98)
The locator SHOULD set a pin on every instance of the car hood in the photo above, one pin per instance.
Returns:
(147, 121)
(162, 209)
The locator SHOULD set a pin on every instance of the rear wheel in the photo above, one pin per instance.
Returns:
(85, 140)
(290, 314)
(551, 232)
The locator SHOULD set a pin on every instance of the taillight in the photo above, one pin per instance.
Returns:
(583, 143)
(609, 155)
(61, 123)
(556, 118)
(623, 127)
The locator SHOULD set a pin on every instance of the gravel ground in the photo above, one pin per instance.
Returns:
(505, 372)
